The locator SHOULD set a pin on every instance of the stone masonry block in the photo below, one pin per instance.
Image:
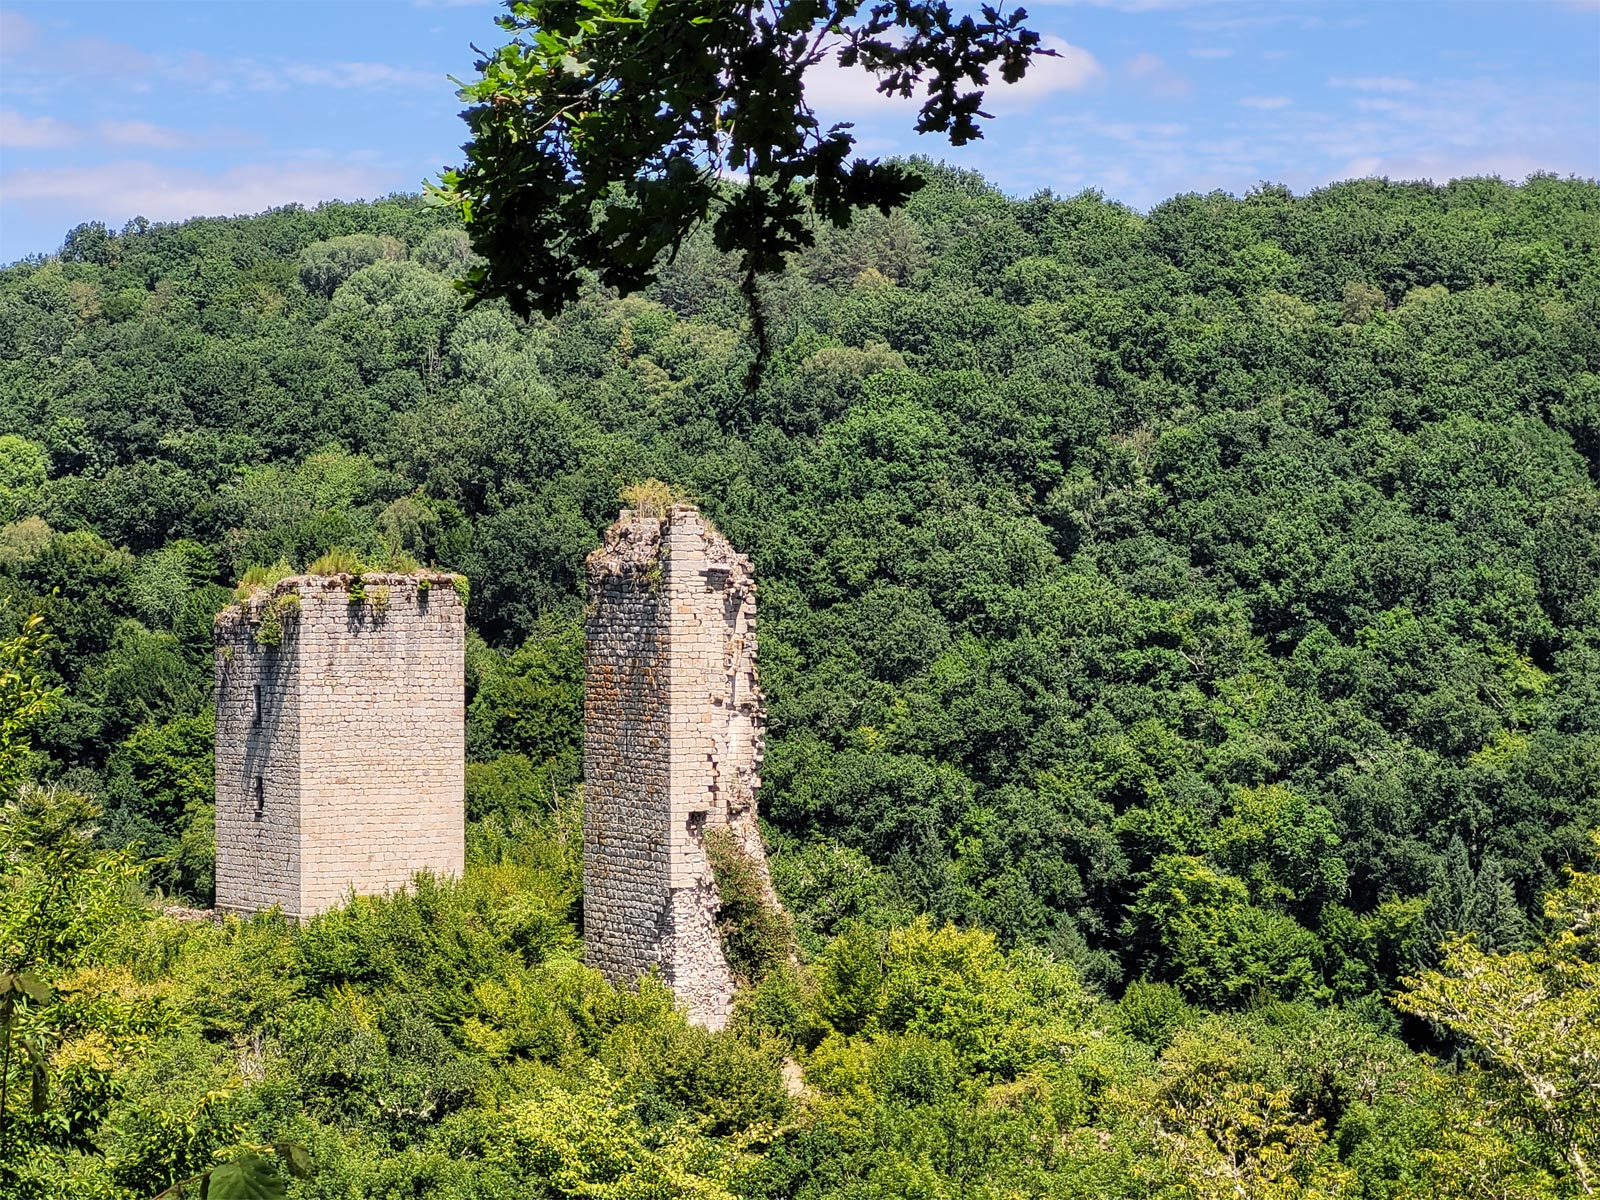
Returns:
(340, 749)
(672, 747)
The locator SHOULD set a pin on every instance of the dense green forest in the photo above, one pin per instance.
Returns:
(1179, 630)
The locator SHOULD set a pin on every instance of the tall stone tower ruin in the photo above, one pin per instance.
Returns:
(672, 749)
(341, 739)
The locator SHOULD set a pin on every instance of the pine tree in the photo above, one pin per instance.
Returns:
(1449, 897)
(1464, 902)
(1493, 912)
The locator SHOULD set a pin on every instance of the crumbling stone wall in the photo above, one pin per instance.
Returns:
(672, 748)
(340, 751)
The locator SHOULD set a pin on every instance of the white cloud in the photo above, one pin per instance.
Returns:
(1295, 16)
(1141, 66)
(1449, 128)
(41, 65)
(1445, 128)
(1396, 108)
(845, 93)
(252, 75)
(144, 134)
(18, 132)
(118, 191)
(219, 76)
(1265, 102)
(1072, 68)
(16, 32)
(1154, 137)
(1210, 52)
(1375, 83)
(1157, 76)
(1508, 162)
(360, 75)
(1130, 5)
(126, 67)
(1134, 131)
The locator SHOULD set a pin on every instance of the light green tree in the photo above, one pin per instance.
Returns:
(1533, 1017)
(22, 474)
(1214, 1126)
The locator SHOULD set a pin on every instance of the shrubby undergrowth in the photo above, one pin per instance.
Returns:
(449, 1042)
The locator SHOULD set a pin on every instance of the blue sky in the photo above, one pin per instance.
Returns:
(177, 109)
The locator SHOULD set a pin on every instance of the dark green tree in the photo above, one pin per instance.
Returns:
(1463, 901)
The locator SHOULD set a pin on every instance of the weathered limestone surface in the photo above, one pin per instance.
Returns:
(341, 751)
(672, 748)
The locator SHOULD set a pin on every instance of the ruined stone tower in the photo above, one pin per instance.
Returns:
(340, 739)
(672, 749)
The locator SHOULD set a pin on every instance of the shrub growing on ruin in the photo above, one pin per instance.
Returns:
(337, 561)
(652, 497)
(756, 934)
(262, 576)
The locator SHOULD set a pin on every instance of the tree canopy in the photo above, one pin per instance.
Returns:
(606, 131)
(1181, 635)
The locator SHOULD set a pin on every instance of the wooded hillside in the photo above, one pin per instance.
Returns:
(1198, 611)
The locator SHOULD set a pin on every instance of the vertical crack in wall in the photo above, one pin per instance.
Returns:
(672, 748)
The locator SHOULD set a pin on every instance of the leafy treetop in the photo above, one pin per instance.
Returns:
(607, 130)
